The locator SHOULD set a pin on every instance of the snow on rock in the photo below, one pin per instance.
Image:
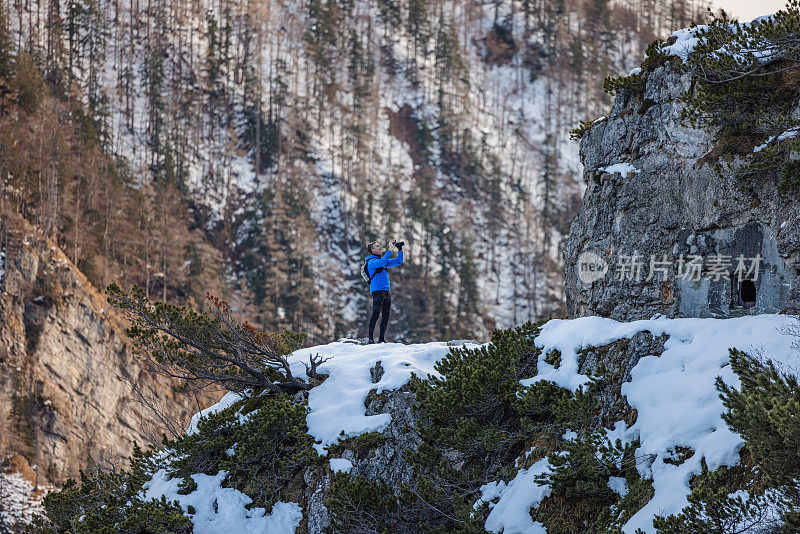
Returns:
(218, 509)
(788, 134)
(685, 43)
(225, 402)
(687, 40)
(673, 393)
(341, 465)
(336, 407)
(622, 168)
(511, 514)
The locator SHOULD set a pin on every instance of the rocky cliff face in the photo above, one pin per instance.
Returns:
(65, 366)
(384, 460)
(654, 194)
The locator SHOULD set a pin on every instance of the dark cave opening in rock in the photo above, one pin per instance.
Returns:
(747, 293)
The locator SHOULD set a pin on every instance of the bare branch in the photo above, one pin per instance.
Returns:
(315, 360)
(200, 349)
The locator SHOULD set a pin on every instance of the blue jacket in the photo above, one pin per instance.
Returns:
(380, 281)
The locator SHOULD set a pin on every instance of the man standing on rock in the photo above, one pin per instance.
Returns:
(376, 268)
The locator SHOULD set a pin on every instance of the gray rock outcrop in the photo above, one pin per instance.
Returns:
(383, 459)
(666, 201)
(615, 362)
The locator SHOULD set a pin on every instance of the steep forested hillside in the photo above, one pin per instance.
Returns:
(254, 147)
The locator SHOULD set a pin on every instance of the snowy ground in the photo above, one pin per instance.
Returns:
(336, 410)
(218, 509)
(673, 393)
(337, 406)
(18, 500)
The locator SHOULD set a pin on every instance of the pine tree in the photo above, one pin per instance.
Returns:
(55, 53)
(210, 348)
(418, 26)
(154, 81)
(763, 411)
(6, 60)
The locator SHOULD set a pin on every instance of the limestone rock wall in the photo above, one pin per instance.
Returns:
(64, 359)
(666, 201)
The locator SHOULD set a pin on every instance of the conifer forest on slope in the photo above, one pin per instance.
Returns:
(252, 148)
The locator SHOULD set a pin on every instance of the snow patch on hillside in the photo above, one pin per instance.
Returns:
(20, 501)
(511, 514)
(341, 465)
(686, 41)
(791, 133)
(674, 393)
(225, 402)
(336, 407)
(217, 509)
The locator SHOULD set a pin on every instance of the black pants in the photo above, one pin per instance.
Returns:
(381, 305)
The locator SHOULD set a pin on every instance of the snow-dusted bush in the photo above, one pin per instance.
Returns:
(261, 443)
(258, 448)
(582, 497)
(109, 500)
(636, 81)
(482, 421)
(357, 505)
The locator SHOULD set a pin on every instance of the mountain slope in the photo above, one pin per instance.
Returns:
(297, 131)
(626, 448)
(66, 395)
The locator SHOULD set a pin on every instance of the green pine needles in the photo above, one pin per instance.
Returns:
(107, 499)
(766, 413)
(581, 499)
(359, 505)
(747, 86)
(636, 82)
(482, 425)
(261, 442)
